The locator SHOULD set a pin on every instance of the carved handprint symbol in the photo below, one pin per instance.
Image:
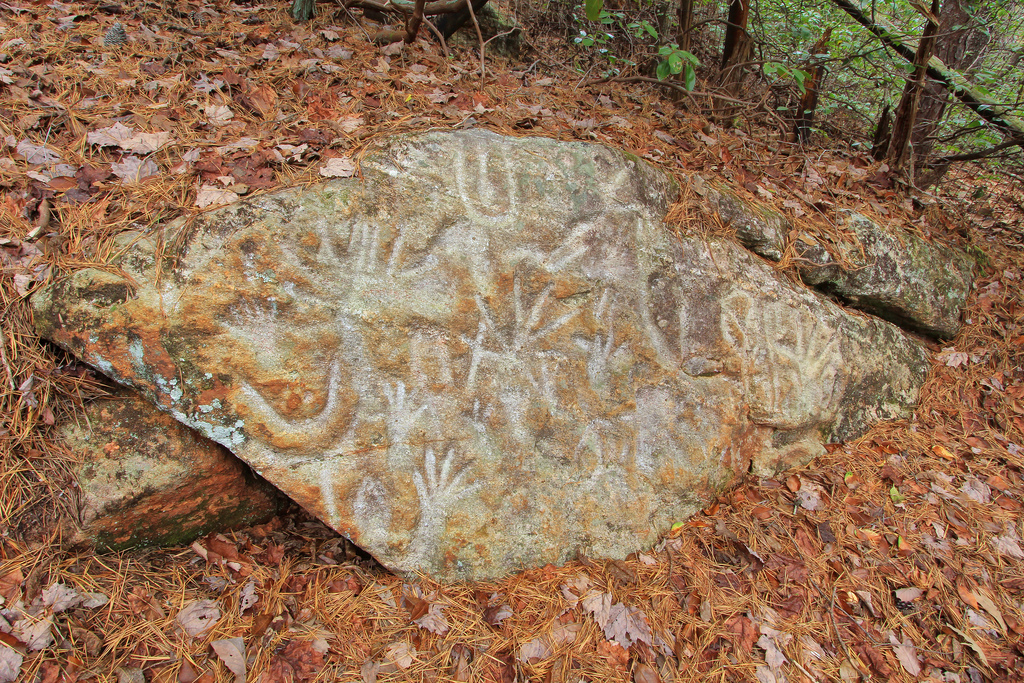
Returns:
(794, 360)
(438, 488)
(402, 412)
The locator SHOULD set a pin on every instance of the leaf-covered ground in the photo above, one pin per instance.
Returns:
(898, 557)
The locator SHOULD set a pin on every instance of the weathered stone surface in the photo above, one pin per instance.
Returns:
(759, 229)
(486, 354)
(920, 285)
(145, 479)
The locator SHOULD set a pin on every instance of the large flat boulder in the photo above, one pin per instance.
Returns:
(145, 479)
(485, 354)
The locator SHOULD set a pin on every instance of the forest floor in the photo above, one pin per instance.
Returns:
(895, 557)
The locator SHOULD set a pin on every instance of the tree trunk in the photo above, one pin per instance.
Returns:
(737, 41)
(450, 23)
(906, 113)
(683, 37)
(880, 143)
(809, 100)
(959, 44)
(303, 10)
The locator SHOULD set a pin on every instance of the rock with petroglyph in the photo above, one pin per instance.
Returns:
(484, 354)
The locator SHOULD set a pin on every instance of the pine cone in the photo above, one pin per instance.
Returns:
(115, 36)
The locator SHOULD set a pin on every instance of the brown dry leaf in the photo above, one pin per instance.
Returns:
(297, 661)
(495, 614)
(621, 624)
(434, 620)
(210, 195)
(10, 664)
(401, 654)
(247, 598)
(907, 654)
(198, 617)
(744, 632)
(10, 584)
(874, 659)
(989, 606)
(338, 167)
(966, 595)
(132, 170)
(645, 673)
(232, 652)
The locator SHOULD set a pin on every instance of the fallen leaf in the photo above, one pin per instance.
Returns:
(907, 654)
(10, 664)
(495, 614)
(211, 195)
(645, 673)
(401, 654)
(298, 661)
(36, 154)
(976, 490)
(848, 672)
(247, 598)
(35, 634)
(909, 594)
(744, 632)
(350, 124)
(896, 496)
(809, 496)
(967, 596)
(989, 606)
(434, 620)
(369, 671)
(621, 624)
(338, 167)
(1008, 546)
(59, 597)
(133, 170)
(439, 97)
(773, 656)
(198, 617)
(232, 652)
(534, 651)
(219, 115)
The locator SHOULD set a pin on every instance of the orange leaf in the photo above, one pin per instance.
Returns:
(967, 596)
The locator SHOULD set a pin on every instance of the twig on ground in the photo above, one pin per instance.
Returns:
(480, 37)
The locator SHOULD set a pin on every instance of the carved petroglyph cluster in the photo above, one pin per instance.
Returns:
(487, 353)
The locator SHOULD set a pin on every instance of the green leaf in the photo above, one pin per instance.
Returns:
(663, 71)
(593, 9)
(896, 496)
(675, 62)
(677, 525)
(799, 77)
(690, 78)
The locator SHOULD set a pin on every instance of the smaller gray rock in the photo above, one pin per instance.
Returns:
(919, 285)
(759, 229)
(145, 479)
